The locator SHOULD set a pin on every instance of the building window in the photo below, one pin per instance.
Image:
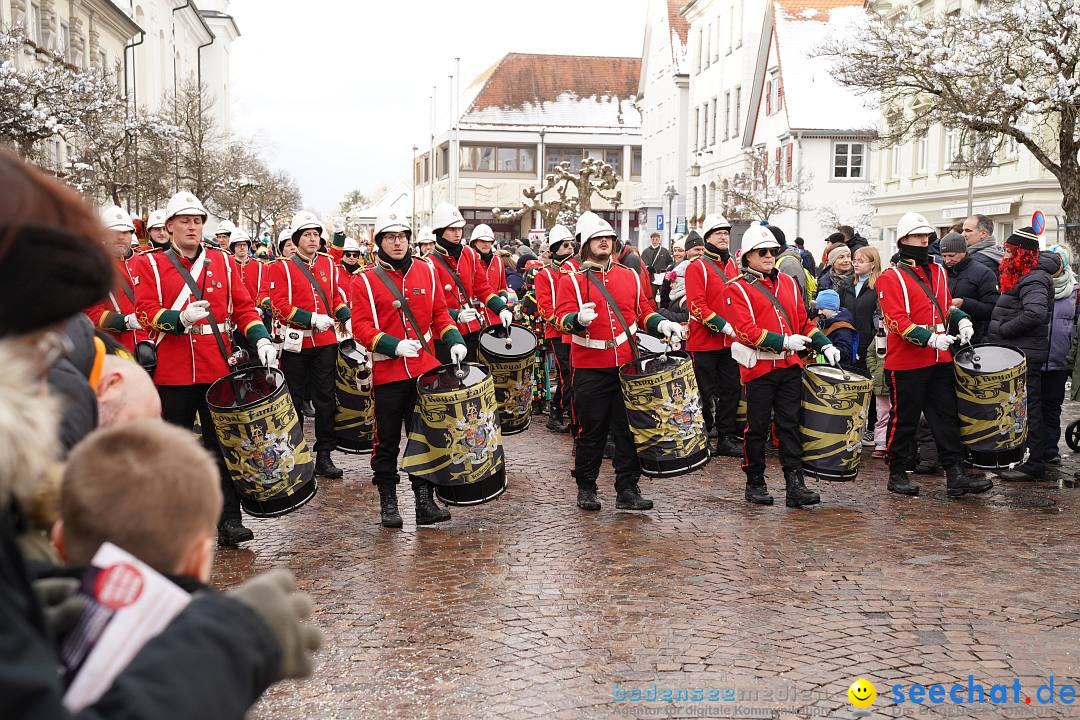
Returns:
(527, 160)
(35, 23)
(103, 60)
(896, 156)
(922, 153)
(507, 160)
(483, 158)
(705, 126)
(697, 120)
(712, 136)
(62, 41)
(727, 114)
(613, 157)
(1012, 148)
(706, 52)
(635, 163)
(848, 160)
(952, 147)
(730, 28)
(697, 62)
(742, 13)
(716, 41)
(738, 109)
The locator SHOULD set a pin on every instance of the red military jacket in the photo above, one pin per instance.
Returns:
(109, 314)
(706, 290)
(604, 343)
(473, 278)
(255, 274)
(909, 317)
(190, 356)
(630, 257)
(545, 285)
(379, 326)
(758, 324)
(293, 300)
(495, 272)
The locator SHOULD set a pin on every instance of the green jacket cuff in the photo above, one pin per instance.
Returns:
(918, 336)
(386, 344)
(115, 321)
(453, 313)
(342, 313)
(955, 316)
(453, 337)
(819, 341)
(169, 321)
(256, 332)
(652, 322)
(496, 304)
(772, 341)
(571, 325)
(339, 240)
(715, 324)
(301, 318)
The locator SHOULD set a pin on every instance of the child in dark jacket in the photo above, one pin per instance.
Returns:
(838, 325)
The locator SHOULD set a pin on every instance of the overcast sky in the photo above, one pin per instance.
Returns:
(337, 92)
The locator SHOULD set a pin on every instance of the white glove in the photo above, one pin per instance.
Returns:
(194, 312)
(586, 314)
(267, 352)
(966, 331)
(321, 322)
(132, 322)
(408, 349)
(796, 343)
(458, 353)
(670, 329)
(728, 330)
(506, 317)
(466, 315)
(940, 341)
(832, 354)
(339, 225)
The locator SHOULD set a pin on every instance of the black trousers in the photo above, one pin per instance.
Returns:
(930, 391)
(317, 367)
(472, 342)
(395, 406)
(718, 381)
(565, 393)
(598, 407)
(1036, 437)
(1053, 395)
(179, 405)
(775, 395)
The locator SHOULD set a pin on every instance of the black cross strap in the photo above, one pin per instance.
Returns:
(198, 293)
(615, 309)
(314, 285)
(922, 286)
(768, 295)
(712, 263)
(381, 274)
(453, 275)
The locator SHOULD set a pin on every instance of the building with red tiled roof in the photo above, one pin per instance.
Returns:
(520, 117)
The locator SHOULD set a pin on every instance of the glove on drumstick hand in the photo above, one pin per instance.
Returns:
(267, 352)
(965, 331)
(506, 317)
(796, 343)
(940, 341)
(195, 312)
(832, 355)
(673, 331)
(466, 315)
(586, 313)
(458, 353)
(408, 348)
(274, 599)
(321, 323)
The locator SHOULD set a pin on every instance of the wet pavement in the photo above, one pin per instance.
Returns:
(529, 607)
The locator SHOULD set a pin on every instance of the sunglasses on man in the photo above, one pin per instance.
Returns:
(772, 252)
(351, 254)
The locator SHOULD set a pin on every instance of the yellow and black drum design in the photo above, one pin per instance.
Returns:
(663, 409)
(835, 403)
(455, 440)
(991, 402)
(263, 441)
(510, 353)
(354, 420)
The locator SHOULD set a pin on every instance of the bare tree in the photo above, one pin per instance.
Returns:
(756, 194)
(199, 152)
(594, 177)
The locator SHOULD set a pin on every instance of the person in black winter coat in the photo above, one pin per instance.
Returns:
(1021, 318)
(973, 286)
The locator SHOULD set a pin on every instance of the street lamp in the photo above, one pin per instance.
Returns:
(671, 193)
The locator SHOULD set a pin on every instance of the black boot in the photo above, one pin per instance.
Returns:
(713, 433)
(900, 484)
(586, 497)
(232, 532)
(957, 483)
(727, 447)
(630, 499)
(757, 492)
(444, 514)
(388, 509)
(798, 495)
(427, 512)
(324, 466)
(555, 422)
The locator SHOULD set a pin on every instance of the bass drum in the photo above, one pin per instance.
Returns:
(511, 355)
(835, 403)
(663, 409)
(991, 402)
(650, 345)
(455, 441)
(263, 441)
(354, 421)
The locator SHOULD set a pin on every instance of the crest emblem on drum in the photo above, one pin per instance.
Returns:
(269, 456)
(474, 435)
(682, 412)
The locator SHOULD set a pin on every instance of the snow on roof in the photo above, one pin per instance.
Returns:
(679, 30)
(563, 90)
(814, 100)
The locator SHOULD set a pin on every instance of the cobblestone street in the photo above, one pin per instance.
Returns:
(529, 607)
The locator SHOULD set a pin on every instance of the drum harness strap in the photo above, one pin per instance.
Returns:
(381, 274)
(933, 299)
(627, 330)
(306, 271)
(198, 293)
(779, 308)
(453, 276)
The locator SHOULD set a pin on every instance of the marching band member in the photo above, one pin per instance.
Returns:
(918, 361)
(561, 252)
(223, 232)
(116, 314)
(710, 333)
(463, 280)
(255, 275)
(482, 240)
(399, 336)
(425, 241)
(306, 296)
(155, 229)
(771, 327)
(194, 345)
(285, 244)
(602, 338)
(351, 257)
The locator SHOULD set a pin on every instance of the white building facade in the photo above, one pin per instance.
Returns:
(664, 101)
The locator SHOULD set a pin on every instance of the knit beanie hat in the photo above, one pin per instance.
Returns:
(1024, 238)
(828, 300)
(953, 243)
(836, 252)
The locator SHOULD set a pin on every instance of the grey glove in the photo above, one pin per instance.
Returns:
(61, 603)
(274, 599)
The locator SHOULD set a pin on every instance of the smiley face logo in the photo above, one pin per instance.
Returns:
(862, 693)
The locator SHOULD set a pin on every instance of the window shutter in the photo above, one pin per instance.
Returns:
(768, 97)
(779, 151)
(790, 152)
(779, 94)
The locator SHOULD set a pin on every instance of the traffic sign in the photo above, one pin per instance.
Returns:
(680, 226)
(1038, 222)
(659, 221)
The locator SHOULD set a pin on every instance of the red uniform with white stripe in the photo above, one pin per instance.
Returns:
(604, 343)
(495, 272)
(706, 290)
(904, 307)
(374, 315)
(191, 356)
(546, 285)
(109, 314)
(753, 316)
(254, 274)
(473, 277)
(293, 299)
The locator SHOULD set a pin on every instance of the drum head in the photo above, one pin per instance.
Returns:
(242, 389)
(652, 364)
(988, 358)
(499, 343)
(352, 351)
(835, 374)
(650, 344)
(442, 379)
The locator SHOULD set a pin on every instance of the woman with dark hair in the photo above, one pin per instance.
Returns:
(1021, 318)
